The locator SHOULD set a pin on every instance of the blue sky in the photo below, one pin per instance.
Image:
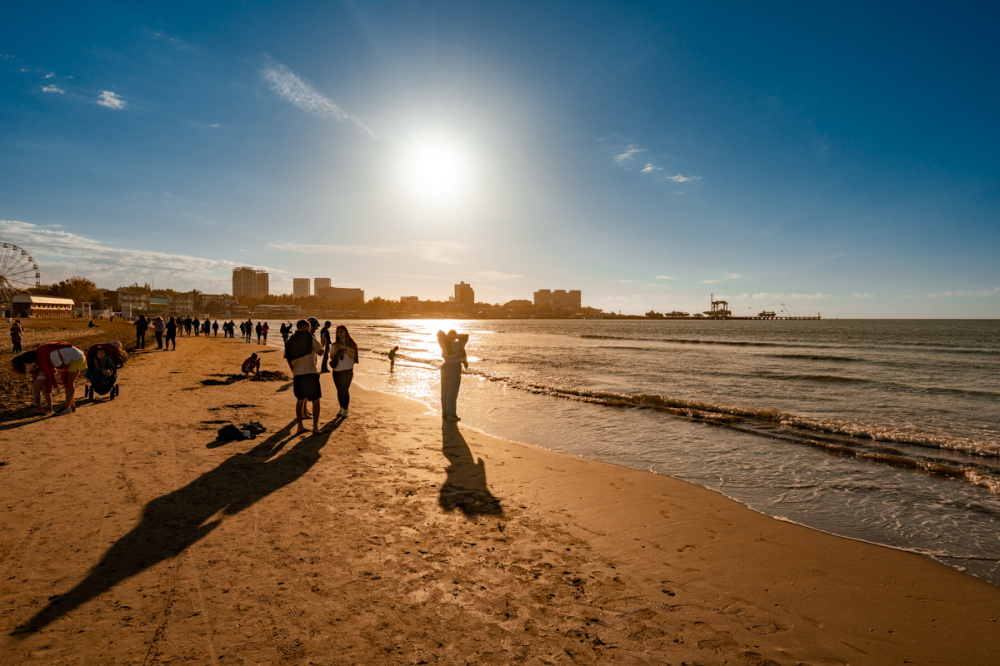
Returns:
(834, 157)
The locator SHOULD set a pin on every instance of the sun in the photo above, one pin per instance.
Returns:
(436, 171)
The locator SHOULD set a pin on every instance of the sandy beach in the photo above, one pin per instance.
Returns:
(131, 535)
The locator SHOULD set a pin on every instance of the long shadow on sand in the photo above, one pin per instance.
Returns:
(465, 487)
(174, 521)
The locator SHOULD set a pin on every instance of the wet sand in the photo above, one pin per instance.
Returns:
(130, 535)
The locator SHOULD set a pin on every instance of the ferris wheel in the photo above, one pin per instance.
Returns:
(18, 271)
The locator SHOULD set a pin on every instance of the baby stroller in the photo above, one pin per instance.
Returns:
(102, 368)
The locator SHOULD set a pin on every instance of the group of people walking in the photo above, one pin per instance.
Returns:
(166, 329)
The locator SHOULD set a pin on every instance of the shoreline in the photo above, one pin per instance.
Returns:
(393, 535)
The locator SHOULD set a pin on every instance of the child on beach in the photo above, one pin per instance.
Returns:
(453, 352)
(392, 358)
(251, 365)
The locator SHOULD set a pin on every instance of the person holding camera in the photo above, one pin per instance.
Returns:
(343, 358)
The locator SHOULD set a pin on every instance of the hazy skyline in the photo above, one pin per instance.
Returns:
(840, 158)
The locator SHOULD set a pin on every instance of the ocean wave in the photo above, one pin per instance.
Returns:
(838, 379)
(702, 341)
(817, 357)
(768, 422)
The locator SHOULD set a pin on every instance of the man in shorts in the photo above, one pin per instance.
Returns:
(301, 352)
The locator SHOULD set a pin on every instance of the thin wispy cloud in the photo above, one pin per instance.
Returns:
(328, 248)
(53, 89)
(49, 75)
(111, 100)
(975, 293)
(651, 168)
(288, 86)
(727, 276)
(61, 254)
(863, 296)
(770, 296)
(683, 179)
(444, 252)
(663, 277)
(497, 275)
(629, 153)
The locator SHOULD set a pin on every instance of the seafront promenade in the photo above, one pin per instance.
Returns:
(132, 535)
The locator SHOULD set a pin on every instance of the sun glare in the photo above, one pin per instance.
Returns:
(436, 171)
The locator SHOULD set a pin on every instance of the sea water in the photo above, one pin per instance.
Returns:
(885, 431)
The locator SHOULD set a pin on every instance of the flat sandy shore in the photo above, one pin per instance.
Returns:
(130, 535)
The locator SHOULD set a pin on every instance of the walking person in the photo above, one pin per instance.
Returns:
(171, 337)
(159, 326)
(286, 330)
(343, 358)
(16, 335)
(215, 329)
(301, 352)
(140, 331)
(249, 330)
(453, 352)
(326, 341)
(260, 331)
(264, 329)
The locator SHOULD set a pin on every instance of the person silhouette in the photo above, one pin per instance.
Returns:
(453, 352)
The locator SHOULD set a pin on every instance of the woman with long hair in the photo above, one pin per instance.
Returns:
(343, 358)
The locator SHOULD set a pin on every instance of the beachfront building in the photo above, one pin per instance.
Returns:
(321, 283)
(159, 306)
(182, 303)
(133, 301)
(341, 294)
(464, 295)
(300, 288)
(26, 305)
(559, 299)
(277, 311)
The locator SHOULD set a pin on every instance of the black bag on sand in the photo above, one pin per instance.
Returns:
(230, 433)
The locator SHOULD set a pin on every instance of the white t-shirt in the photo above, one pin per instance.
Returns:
(65, 356)
(306, 365)
(346, 363)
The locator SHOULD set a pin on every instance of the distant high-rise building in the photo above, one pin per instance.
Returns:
(300, 287)
(248, 282)
(559, 299)
(319, 283)
(464, 295)
(244, 282)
